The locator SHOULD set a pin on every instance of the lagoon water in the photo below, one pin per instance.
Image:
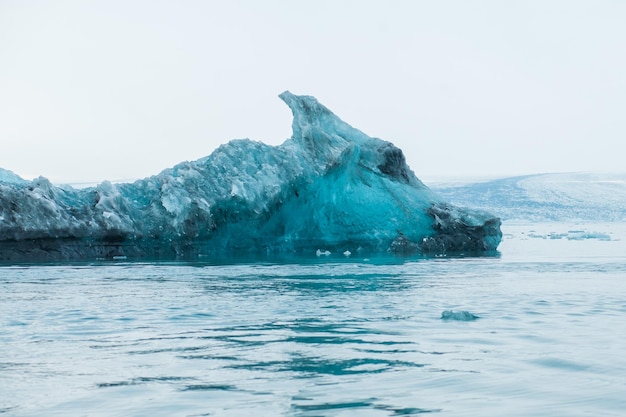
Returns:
(330, 336)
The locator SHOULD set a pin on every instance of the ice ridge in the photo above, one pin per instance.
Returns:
(7, 176)
(329, 187)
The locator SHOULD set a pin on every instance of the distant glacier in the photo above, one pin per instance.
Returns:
(574, 196)
(330, 188)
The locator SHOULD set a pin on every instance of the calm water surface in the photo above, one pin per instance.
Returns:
(331, 337)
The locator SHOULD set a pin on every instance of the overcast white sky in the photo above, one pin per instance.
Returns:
(94, 90)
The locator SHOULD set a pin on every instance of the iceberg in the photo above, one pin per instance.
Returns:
(330, 188)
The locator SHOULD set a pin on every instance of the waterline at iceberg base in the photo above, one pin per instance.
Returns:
(329, 187)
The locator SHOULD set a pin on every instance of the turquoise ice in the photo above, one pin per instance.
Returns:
(329, 187)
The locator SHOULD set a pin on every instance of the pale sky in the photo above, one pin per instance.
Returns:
(95, 90)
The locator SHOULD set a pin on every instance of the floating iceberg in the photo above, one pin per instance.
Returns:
(328, 187)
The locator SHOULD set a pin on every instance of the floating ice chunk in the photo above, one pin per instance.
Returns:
(572, 235)
(582, 235)
(458, 315)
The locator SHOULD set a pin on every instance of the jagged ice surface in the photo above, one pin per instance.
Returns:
(329, 187)
(10, 177)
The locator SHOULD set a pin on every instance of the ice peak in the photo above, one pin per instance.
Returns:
(315, 126)
(307, 111)
(330, 141)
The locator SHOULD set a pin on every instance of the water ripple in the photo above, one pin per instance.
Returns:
(314, 339)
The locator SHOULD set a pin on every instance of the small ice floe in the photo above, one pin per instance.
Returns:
(572, 235)
(583, 234)
(347, 253)
(458, 315)
(320, 252)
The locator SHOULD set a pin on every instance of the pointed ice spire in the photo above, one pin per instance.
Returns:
(318, 130)
(326, 138)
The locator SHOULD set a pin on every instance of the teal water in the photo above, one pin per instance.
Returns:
(332, 336)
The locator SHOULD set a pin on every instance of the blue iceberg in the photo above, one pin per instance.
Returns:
(329, 187)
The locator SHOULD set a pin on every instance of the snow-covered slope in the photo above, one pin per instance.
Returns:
(545, 197)
(330, 186)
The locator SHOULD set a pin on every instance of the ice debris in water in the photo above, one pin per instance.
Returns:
(329, 186)
(572, 235)
(458, 315)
